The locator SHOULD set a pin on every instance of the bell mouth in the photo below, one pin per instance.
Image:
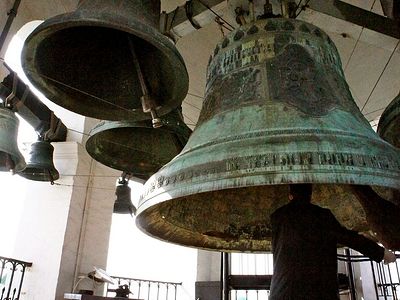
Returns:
(222, 220)
(134, 147)
(83, 63)
(10, 162)
(388, 127)
(39, 173)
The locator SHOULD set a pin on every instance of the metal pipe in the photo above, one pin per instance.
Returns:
(12, 13)
(351, 276)
(221, 276)
(374, 278)
(226, 276)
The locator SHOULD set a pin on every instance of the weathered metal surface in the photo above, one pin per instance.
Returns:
(383, 216)
(39, 164)
(136, 147)
(389, 123)
(268, 120)
(10, 156)
(82, 60)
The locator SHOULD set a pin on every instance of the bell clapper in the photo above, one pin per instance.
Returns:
(240, 13)
(252, 12)
(289, 8)
(149, 104)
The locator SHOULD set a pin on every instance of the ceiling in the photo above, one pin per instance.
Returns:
(370, 59)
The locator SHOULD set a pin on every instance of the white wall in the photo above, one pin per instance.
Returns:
(40, 233)
(133, 254)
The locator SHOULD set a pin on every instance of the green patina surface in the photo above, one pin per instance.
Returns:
(277, 111)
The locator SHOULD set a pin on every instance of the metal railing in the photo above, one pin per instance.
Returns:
(12, 274)
(386, 280)
(145, 289)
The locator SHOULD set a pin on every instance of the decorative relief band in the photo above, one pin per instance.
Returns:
(271, 161)
(266, 47)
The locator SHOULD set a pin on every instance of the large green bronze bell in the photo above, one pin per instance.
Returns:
(389, 123)
(40, 166)
(136, 147)
(277, 111)
(87, 60)
(11, 158)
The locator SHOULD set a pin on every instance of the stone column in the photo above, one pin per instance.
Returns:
(208, 283)
(64, 228)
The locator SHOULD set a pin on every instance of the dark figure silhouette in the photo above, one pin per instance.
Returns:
(304, 243)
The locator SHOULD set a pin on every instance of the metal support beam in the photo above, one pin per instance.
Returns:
(12, 13)
(32, 110)
(358, 16)
(391, 8)
(178, 21)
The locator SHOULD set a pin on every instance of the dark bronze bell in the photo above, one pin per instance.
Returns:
(123, 203)
(136, 147)
(87, 61)
(277, 111)
(40, 166)
(389, 123)
(11, 158)
(389, 130)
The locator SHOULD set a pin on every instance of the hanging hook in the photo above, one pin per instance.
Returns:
(8, 103)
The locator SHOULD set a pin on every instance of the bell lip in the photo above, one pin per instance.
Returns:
(17, 157)
(257, 180)
(134, 27)
(28, 173)
(388, 121)
(183, 133)
(182, 130)
(167, 234)
(20, 163)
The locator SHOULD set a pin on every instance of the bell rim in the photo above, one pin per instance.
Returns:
(388, 121)
(17, 157)
(180, 129)
(95, 136)
(169, 194)
(28, 173)
(74, 19)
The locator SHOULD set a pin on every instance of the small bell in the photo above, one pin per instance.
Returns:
(137, 147)
(40, 166)
(123, 203)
